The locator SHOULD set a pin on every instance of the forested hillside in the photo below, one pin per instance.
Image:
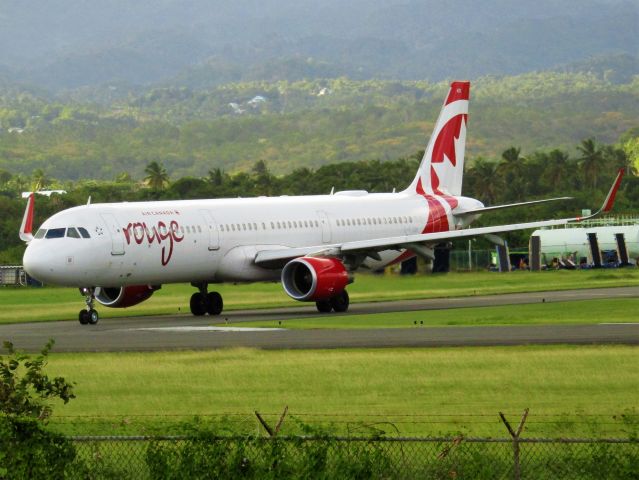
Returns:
(299, 124)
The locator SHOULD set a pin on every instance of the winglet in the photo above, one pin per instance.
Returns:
(609, 202)
(610, 199)
(27, 220)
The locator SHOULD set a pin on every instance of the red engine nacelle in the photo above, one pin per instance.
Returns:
(310, 279)
(122, 297)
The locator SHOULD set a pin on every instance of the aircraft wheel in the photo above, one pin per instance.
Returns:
(340, 302)
(83, 317)
(324, 306)
(214, 303)
(93, 316)
(198, 304)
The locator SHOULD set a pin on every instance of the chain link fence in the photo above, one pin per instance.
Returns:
(209, 456)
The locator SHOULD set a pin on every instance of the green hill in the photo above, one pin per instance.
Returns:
(299, 124)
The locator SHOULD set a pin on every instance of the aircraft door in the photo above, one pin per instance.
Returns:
(214, 232)
(117, 236)
(325, 224)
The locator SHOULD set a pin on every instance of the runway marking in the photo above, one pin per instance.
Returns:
(619, 323)
(207, 329)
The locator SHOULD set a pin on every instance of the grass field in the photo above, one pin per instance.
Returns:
(571, 391)
(42, 304)
(589, 311)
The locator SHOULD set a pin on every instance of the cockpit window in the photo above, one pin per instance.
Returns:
(72, 233)
(40, 233)
(55, 233)
(83, 232)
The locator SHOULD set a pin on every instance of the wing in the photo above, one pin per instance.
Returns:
(274, 258)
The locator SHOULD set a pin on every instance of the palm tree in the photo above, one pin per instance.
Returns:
(485, 180)
(591, 161)
(511, 169)
(156, 176)
(40, 179)
(556, 174)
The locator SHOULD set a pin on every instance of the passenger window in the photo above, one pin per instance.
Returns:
(72, 233)
(289, 225)
(40, 233)
(199, 228)
(55, 233)
(83, 232)
(272, 226)
(254, 226)
(263, 226)
(316, 223)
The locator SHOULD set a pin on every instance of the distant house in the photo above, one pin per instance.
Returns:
(324, 91)
(46, 193)
(15, 130)
(256, 101)
(236, 108)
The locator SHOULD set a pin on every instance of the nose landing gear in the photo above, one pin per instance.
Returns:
(204, 302)
(89, 315)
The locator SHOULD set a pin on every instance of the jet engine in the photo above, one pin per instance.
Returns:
(311, 279)
(122, 297)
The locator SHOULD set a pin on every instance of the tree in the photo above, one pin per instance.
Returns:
(156, 176)
(27, 449)
(591, 161)
(24, 391)
(511, 169)
(484, 180)
(557, 171)
(39, 179)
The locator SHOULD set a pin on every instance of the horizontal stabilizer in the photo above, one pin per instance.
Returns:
(477, 211)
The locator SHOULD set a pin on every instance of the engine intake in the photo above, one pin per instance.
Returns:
(310, 279)
(122, 297)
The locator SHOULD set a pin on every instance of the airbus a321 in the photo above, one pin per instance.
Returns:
(118, 254)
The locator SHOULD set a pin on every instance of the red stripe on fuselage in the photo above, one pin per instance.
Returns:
(437, 215)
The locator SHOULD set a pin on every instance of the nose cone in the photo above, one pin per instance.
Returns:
(39, 263)
(36, 265)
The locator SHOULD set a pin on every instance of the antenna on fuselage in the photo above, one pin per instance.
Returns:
(332, 190)
(89, 200)
(394, 189)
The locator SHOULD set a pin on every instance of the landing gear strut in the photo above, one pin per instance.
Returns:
(339, 303)
(89, 315)
(204, 302)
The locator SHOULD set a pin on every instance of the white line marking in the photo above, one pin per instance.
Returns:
(207, 329)
(619, 323)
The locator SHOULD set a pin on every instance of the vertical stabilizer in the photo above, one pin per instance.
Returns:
(442, 167)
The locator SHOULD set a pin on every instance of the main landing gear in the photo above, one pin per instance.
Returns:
(204, 302)
(89, 315)
(339, 303)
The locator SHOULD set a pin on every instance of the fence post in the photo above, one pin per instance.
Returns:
(272, 432)
(515, 436)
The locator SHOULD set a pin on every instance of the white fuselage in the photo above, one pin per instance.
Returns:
(151, 243)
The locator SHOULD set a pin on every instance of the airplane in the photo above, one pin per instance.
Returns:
(118, 254)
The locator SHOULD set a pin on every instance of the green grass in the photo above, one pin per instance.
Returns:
(590, 311)
(570, 390)
(44, 304)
